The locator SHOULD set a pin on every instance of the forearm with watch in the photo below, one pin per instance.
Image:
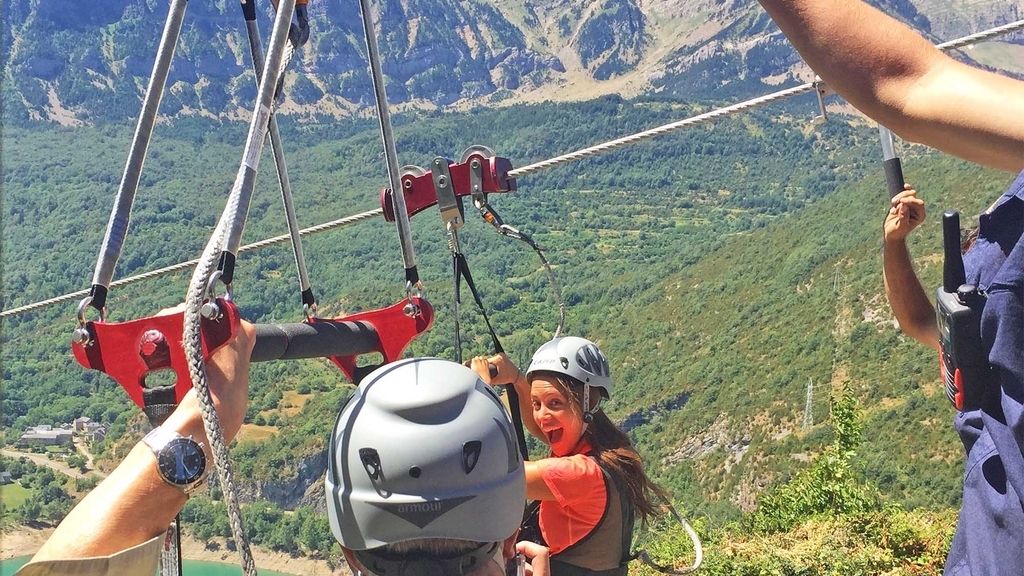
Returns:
(140, 498)
(132, 505)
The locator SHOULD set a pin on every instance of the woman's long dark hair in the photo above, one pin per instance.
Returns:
(615, 452)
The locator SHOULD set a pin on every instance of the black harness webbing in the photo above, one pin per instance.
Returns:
(461, 270)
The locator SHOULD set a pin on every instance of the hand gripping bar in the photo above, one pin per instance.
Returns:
(130, 351)
(419, 190)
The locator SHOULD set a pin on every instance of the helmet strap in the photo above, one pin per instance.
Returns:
(588, 412)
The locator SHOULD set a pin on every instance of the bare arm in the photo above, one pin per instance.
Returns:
(536, 488)
(903, 289)
(896, 77)
(907, 298)
(509, 373)
(134, 504)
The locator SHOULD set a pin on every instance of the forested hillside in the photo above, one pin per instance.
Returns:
(722, 270)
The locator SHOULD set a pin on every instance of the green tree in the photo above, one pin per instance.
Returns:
(829, 487)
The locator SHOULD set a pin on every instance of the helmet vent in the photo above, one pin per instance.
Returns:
(415, 471)
(592, 360)
(371, 463)
(471, 455)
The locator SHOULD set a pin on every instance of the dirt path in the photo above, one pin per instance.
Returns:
(42, 460)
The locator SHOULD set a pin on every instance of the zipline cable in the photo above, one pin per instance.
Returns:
(529, 169)
(339, 223)
(727, 110)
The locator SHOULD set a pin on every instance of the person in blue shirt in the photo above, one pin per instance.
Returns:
(893, 75)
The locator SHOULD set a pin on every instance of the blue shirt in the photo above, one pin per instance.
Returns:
(990, 532)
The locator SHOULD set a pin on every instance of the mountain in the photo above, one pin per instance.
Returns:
(73, 62)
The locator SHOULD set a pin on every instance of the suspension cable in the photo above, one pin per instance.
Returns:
(390, 150)
(727, 110)
(339, 223)
(256, 53)
(120, 214)
(536, 167)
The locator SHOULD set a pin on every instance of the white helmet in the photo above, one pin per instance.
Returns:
(423, 449)
(575, 357)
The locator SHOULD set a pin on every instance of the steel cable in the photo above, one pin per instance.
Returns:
(536, 167)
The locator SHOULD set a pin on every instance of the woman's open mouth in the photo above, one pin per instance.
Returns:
(555, 435)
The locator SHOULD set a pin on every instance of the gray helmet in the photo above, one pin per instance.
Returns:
(575, 357)
(423, 449)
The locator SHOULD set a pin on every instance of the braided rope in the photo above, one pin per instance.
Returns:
(192, 342)
(230, 224)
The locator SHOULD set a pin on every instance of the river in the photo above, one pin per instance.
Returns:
(190, 568)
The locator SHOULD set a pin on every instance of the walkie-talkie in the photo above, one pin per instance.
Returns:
(963, 362)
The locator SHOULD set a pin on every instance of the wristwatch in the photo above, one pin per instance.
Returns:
(180, 460)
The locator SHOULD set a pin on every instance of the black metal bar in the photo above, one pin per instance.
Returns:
(320, 339)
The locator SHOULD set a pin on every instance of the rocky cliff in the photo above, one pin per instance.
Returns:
(71, 62)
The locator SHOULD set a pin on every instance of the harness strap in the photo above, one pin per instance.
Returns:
(461, 267)
(462, 271)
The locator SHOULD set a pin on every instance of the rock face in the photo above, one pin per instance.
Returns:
(304, 488)
(92, 60)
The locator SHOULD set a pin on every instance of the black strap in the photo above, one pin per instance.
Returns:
(461, 270)
(559, 568)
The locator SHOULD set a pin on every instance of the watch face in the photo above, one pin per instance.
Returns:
(182, 461)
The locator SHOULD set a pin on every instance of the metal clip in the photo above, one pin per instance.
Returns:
(411, 308)
(820, 90)
(451, 211)
(476, 182)
(81, 335)
(210, 310)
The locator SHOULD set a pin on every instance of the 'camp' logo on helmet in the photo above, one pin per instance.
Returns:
(421, 513)
(591, 359)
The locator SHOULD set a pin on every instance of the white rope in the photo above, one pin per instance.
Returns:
(740, 107)
(74, 296)
(536, 167)
(660, 130)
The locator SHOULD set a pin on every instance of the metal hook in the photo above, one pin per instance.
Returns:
(411, 309)
(81, 334)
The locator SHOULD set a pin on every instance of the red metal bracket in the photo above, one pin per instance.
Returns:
(419, 188)
(128, 351)
(395, 331)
